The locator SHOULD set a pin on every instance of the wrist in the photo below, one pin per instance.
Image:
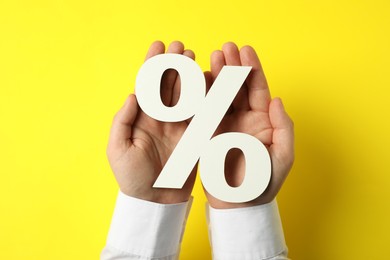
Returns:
(265, 198)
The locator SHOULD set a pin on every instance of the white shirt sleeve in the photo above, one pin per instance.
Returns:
(145, 230)
(251, 233)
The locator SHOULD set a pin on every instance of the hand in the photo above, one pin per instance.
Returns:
(139, 145)
(255, 113)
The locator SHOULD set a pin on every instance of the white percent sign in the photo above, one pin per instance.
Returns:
(197, 142)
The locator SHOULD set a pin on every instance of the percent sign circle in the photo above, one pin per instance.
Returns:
(197, 142)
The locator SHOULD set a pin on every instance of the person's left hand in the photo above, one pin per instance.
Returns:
(253, 112)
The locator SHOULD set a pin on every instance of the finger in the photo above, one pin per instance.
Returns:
(169, 76)
(189, 54)
(155, 48)
(282, 147)
(258, 92)
(122, 125)
(232, 54)
(177, 85)
(209, 80)
(217, 61)
(232, 58)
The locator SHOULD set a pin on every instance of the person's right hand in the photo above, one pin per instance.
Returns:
(139, 145)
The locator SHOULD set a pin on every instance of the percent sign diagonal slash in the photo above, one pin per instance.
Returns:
(208, 111)
(202, 127)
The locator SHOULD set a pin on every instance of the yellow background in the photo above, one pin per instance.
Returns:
(67, 66)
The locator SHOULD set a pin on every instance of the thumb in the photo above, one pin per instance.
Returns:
(122, 125)
(282, 147)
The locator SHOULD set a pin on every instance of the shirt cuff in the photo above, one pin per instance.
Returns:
(147, 229)
(246, 233)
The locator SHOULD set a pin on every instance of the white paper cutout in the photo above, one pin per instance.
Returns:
(197, 141)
